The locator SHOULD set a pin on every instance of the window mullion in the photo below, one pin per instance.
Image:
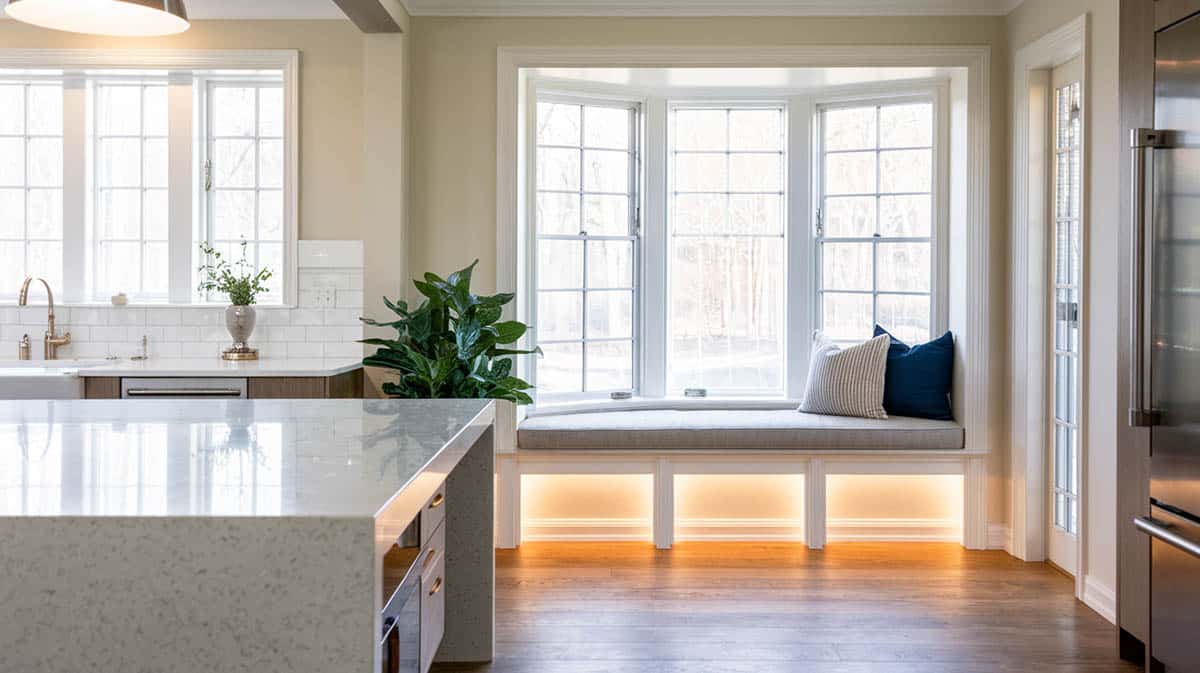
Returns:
(76, 243)
(180, 187)
(655, 251)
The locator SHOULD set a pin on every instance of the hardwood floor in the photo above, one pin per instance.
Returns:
(767, 608)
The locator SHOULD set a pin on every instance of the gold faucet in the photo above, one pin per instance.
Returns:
(52, 341)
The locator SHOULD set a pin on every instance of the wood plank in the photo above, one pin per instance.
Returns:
(287, 388)
(766, 607)
(348, 385)
(102, 388)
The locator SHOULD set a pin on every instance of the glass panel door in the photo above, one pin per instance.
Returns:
(1065, 280)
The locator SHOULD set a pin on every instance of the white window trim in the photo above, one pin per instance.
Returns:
(74, 103)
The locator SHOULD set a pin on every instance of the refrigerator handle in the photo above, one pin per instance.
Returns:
(1141, 412)
(1161, 530)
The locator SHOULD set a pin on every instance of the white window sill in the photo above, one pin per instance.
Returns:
(669, 403)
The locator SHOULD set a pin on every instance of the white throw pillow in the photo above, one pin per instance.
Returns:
(846, 382)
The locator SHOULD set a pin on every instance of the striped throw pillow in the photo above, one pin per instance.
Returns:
(846, 382)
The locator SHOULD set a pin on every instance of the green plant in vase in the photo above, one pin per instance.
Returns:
(242, 285)
(453, 345)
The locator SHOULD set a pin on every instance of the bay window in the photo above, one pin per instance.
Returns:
(113, 173)
(688, 248)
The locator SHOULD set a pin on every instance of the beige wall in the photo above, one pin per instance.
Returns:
(1103, 144)
(453, 151)
(351, 99)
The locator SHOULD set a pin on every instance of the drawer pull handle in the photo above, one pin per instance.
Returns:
(437, 586)
(437, 501)
(429, 558)
(183, 392)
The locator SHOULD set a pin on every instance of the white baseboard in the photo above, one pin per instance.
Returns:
(586, 530)
(746, 529)
(1100, 597)
(999, 537)
(893, 530)
(750, 530)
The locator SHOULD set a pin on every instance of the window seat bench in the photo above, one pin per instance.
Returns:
(757, 430)
(664, 443)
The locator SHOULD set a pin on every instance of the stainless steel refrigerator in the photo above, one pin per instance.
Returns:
(1166, 341)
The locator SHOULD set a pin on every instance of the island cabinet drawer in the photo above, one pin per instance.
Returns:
(433, 597)
(433, 513)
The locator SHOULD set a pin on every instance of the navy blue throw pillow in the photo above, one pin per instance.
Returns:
(918, 378)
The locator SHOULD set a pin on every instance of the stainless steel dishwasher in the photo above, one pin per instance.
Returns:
(199, 388)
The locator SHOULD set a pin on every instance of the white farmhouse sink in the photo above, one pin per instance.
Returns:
(43, 379)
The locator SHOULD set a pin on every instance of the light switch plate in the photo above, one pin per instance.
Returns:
(326, 297)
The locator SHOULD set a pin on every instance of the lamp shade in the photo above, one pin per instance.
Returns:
(128, 18)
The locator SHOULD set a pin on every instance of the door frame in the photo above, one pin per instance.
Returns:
(1031, 327)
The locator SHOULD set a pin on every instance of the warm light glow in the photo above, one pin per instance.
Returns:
(125, 18)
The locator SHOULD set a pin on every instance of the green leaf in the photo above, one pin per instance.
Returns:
(488, 314)
(461, 279)
(508, 332)
(467, 336)
(497, 299)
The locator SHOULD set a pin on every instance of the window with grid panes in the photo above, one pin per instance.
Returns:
(130, 179)
(876, 222)
(586, 244)
(244, 173)
(31, 182)
(121, 146)
(727, 249)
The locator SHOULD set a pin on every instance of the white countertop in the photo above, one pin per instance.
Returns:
(225, 458)
(205, 367)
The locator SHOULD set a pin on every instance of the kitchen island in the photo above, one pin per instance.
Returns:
(239, 535)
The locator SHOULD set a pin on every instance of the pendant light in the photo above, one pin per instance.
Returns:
(125, 18)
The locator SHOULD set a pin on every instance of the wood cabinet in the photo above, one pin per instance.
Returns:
(348, 385)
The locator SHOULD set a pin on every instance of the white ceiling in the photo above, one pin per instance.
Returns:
(710, 7)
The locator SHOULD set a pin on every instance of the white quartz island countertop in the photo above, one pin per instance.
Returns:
(232, 535)
(216, 367)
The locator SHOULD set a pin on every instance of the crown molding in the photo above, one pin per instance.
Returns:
(710, 7)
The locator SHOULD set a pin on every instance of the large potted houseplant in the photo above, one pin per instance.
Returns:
(453, 345)
(241, 284)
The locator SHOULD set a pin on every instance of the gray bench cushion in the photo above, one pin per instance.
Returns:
(741, 429)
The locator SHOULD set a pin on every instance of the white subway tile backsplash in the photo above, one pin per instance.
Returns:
(349, 298)
(330, 254)
(89, 316)
(304, 349)
(343, 350)
(311, 280)
(163, 316)
(125, 315)
(319, 327)
(308, 316)
(193, 349)
(109, 333)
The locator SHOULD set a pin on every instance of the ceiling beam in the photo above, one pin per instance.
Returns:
(376, 16)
